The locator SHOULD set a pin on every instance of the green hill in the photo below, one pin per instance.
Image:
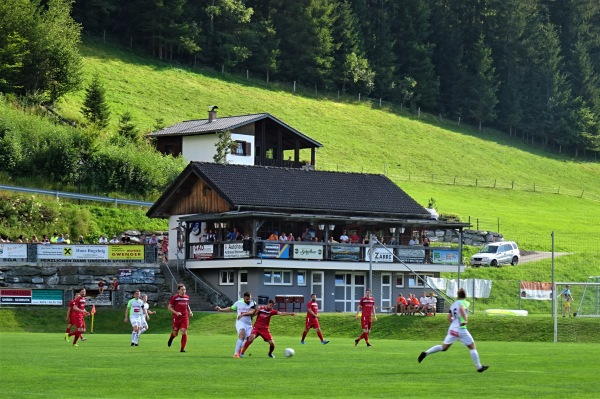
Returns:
(497, 182)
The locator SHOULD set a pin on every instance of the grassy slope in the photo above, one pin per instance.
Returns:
(362, 137)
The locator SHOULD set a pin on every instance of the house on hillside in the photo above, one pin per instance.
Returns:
(231, 220)
(261, 139)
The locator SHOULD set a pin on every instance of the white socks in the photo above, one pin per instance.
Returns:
(433, 349)
(475, 357)
(238, 345)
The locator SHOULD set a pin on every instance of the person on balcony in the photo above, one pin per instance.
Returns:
(274, 236)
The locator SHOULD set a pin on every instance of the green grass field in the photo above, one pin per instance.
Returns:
(42, 365)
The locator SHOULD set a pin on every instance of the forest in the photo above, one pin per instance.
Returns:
(526, 67)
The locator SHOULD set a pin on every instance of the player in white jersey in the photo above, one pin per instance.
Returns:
(147, 313)
(136, 312)
(457, 331)
(245, 309)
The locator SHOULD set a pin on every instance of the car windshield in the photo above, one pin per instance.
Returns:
(489, 249)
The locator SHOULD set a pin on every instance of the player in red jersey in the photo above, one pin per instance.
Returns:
(78, 313)
(261, 326)
(312, 319)
(179, 306)
(367, 304)
(68, 320)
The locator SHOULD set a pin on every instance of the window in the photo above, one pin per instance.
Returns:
(278, 277)
(301, 278)
(399, 280)
(242, 148)
(414, 281)
(226, 277)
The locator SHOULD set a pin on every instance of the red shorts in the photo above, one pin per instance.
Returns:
(77, 320)
(264, 334)
(311, 322)
(366, 322)
(180, 322)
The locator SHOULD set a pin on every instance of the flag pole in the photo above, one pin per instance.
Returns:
(93, 313)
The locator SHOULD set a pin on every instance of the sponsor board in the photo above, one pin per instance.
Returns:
(411, 255)
(275, 250)
(536, 290)
(379, 255)
(345, 252)
(236, 250)
(127, 252)
(445, 256)
(136, 276)
(30, 297)
(13, 251)
(202, 251)
(308, 251)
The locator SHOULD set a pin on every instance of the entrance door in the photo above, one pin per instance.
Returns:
(242, 283)
(317, 287)
(349, 288)
(386, 291)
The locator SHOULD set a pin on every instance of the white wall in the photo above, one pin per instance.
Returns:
(202, 149)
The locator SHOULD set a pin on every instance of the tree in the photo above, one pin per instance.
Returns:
(483, 85)
(127, 129)
(223, 147)
(95, 108)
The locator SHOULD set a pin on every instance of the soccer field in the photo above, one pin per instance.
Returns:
(39, 365)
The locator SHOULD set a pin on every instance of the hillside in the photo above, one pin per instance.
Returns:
(422, 155)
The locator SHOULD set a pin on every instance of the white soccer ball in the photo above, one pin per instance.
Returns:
(289, 352)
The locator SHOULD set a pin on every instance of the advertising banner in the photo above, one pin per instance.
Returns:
(236, 250)
(411, 255)
(136, 276)
(379, 255)
(536, 290)
(126, 252)
(31, 297)
(275, 250)
(13, 251)
(345, 253)
(445, 256)
(202, 251)
(308, 251)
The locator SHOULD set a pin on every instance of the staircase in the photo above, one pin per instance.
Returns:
(203, 297)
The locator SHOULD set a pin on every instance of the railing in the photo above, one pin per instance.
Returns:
(324, 251)
(85, 197)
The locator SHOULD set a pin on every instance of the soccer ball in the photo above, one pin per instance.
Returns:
(289, 352)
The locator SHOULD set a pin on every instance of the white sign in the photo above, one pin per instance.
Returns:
(202, 251)
(308, 251)
(380, 255)
(12, 251)
(57, 251)
(235, 251)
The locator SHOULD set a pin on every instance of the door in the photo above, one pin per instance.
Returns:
(242, 283)
(349, 288)
(386, 292)
(317, 287)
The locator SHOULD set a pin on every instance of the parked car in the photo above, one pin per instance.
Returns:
(497, 253)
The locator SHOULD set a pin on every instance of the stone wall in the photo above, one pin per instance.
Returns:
(72, 277)
(470, 237)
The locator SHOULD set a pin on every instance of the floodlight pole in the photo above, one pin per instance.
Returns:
(553, 286)
(371, 262)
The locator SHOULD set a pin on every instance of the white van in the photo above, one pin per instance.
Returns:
(497, 253)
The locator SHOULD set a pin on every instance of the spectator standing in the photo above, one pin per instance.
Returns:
(54, 238)
(426, 244)
(60, 239)
(153, 241)
(283, 236)
(413, 241)
(114, 240)
(126, 239)
(80, 240)
(179, 306)
(261, 326)
(344, 237)
(274, 236)
(45, 240)
(306, 236)
(354, 238)
(103, 239)
(290, 237)
(245, 309)
(67, 240)
(367, 305)
(34, 239)
(164, 247)
(233, 235)
(312, 319)
(458, 332)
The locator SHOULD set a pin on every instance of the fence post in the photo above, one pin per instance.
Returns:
(379, 102)
(248, 74)
(455, 180)
(358, 97)
(512, 185)
(294, 86)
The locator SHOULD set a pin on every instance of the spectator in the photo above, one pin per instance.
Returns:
(354, 238)
(211, 236)
(365, 239)
(431, 304)
(60, 239)
(283, 236)
(154, 242)
(103, 239)
(80, 240)
(164, 245)
(34, 239)
(423, 304)
(306, 236)
(426, 244)
(114, 240)
(413, 241)
(126, 239)
(274, 236)
(45, 240)
(115, 284)
(290, 237)
(414, 304)
(143, 239)
(401, 305)
(100, 287)
(344, 237)
(66, 239)
(54, 238)
(20, 238)
(233, 235)
(332, 240)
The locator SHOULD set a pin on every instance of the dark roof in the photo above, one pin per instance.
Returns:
(282, 189)
(203, 126)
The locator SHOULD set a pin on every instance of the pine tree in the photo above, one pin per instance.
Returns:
(95, 108)
(483, 85)
(127, 129)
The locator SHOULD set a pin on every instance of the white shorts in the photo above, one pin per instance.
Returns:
(240, 325)
(144, 322)
(135, 320)
(462, 335)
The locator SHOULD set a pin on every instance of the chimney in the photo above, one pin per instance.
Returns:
(212, 113)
